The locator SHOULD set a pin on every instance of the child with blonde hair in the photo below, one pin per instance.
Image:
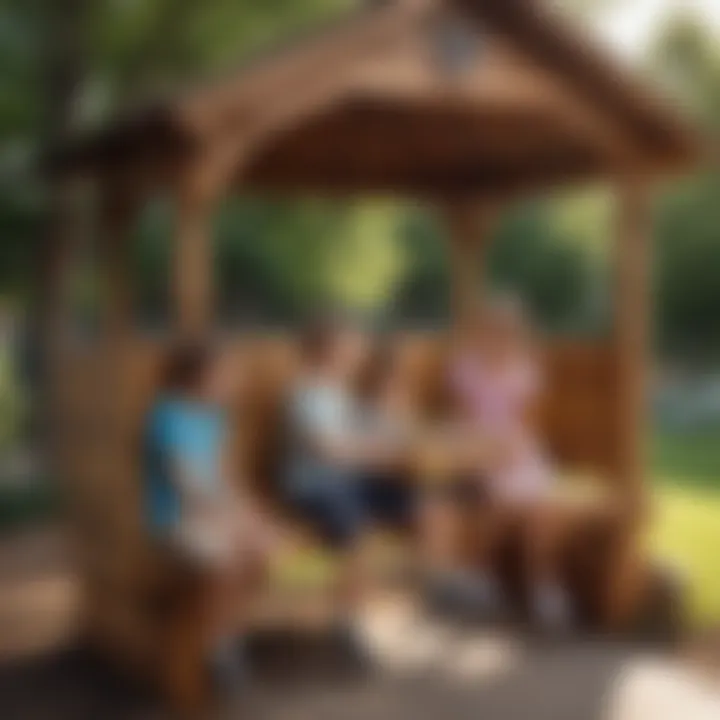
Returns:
(497, 380)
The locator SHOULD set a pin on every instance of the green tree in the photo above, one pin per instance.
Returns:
(688, 222)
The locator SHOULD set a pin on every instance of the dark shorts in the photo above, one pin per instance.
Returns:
(342, 504)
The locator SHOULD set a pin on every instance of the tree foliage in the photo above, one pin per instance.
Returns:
(277, 260)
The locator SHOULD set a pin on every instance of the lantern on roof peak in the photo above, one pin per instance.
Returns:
(457, 44)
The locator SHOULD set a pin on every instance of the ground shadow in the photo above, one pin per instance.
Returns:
(305, 675)
(71, 684)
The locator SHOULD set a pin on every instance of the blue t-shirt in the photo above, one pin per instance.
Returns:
(183, 433)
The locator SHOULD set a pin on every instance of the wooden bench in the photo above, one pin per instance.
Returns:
(147, 611)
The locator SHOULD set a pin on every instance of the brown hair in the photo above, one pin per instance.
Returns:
(376, 370)
(319, 336)
(186, 365)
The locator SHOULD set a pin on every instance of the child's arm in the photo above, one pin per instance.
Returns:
(336, 436)
(354, 449)
(234, 475)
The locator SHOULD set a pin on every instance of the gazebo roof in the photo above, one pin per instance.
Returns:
(429, 97)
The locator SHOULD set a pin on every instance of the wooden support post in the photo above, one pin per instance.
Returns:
(629, 581)
(193, 259)
(632, 335)
(117, 214)
(470, 227)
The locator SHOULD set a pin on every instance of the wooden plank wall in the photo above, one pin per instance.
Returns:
(577, 416)
(100, 468)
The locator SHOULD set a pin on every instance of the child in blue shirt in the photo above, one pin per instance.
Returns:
(193, 504)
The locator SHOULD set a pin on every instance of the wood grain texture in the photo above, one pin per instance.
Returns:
(533, 77)
(633, 260)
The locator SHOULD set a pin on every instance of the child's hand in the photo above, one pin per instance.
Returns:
(256, 524)
(500, 454)
(388, 452)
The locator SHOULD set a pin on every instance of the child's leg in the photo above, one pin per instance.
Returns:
(221, 614)
(491, 524)
(351, 585)
(440, 533)
(336, 508)
(335, 505)
(223, 652)
(238, 585)
(459, 533)
(206, 544)
(251, 565)
(545, 536)
(240, 574)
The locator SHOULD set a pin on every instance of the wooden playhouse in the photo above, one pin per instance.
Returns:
(464, 105)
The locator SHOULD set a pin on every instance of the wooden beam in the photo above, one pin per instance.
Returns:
(632, 334)
(301, 77)
(553, 43)
(503, 83)
(470, 225)
(241, 120)
(192, 277)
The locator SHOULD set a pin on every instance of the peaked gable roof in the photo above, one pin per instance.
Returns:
(363, 88)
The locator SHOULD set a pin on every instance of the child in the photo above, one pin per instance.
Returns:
(335, 469)
(496, 381)
(193, 505)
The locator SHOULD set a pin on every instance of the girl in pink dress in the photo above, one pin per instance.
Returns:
(497, 381)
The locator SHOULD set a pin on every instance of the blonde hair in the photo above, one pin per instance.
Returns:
(509, 310)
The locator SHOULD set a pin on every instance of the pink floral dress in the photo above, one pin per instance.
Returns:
(494, 402)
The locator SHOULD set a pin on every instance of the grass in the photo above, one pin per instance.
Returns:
(688, 459)
(686, 528)
(686, 532)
